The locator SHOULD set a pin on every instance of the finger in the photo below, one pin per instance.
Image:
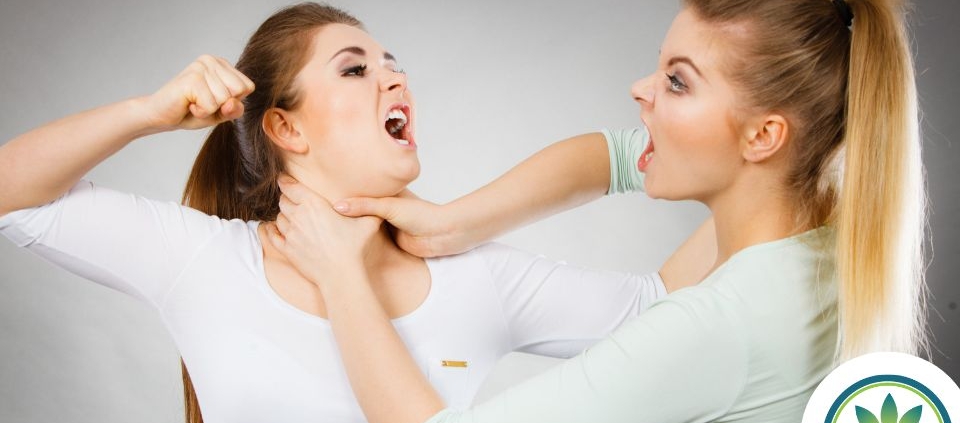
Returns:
(194, 67)
(203, 103)
(232, 109)
(219, 90)
(288, 190)
(276, 238)
(282, 224)
(248, 85)
(286, 206)
(231, 78)
(296, 192)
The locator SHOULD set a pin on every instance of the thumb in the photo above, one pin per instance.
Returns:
(231, 109)
(384, 208)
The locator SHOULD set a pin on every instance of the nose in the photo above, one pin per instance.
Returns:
(393, 81)
(644, 91)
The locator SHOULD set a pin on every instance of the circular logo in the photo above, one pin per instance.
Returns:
(885, 388)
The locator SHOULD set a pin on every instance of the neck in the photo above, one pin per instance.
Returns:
(748, 215)
(383, 252)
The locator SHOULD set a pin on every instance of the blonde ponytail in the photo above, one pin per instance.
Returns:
(882, 202)
(851, 96)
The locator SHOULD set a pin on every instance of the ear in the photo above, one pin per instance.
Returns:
(281, 127)
(766, 139)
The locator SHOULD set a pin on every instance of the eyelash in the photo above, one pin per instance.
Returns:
(676, 85)
(360, 70)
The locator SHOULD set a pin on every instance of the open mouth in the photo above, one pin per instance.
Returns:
(396, 124)
(646, 156)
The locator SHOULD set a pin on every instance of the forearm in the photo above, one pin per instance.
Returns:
(385, 379)
(39, 166)
(562, 176)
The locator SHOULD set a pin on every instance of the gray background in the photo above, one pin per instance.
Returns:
(495, 81)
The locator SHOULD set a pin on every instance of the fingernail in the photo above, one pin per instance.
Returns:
(341, 206)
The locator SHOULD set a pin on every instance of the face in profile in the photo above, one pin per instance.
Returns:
(691, 111)
(355, 116)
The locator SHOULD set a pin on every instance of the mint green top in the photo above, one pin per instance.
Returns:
(748, 344)
(625, 146)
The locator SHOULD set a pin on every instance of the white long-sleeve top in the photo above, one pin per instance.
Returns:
(255, 358)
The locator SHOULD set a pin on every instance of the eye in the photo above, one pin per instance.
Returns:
(676, 85)
(358, 70)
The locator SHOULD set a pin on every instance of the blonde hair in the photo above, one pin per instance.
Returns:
(850, 96)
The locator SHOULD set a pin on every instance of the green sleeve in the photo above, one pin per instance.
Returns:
(625, 146)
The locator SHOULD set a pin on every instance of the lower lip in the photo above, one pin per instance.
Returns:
(646, 157)
(411, 145)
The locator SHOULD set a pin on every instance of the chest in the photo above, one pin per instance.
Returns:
(255, 356)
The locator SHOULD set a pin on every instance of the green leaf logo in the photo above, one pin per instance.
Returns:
(888, 413)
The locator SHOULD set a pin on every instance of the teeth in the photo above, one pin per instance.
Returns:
(397, 114)
(403, 142)
(399, 121)
(648, 156)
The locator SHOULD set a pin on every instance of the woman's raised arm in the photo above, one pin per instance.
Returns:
(39, 166)
(562, 176)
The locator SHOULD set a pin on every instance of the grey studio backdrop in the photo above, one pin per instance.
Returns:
(494, 81)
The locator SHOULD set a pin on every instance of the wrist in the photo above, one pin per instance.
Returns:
(142, 116)
(459, 228)
(343, 274)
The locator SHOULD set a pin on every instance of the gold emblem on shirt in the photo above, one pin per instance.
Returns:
(453, 363)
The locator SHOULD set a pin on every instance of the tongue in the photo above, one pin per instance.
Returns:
(393, 123)
(642, 162)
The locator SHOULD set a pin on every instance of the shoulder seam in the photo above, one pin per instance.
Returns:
(493, 286)
(176, 281)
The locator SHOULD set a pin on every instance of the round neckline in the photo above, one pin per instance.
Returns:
(264, 284)
(777, 243)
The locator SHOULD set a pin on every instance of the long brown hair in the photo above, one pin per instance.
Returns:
(850, 95)
(235, 173)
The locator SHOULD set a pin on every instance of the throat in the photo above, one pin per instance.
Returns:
(400, 281)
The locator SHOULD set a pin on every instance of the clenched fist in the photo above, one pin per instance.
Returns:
(207, 92)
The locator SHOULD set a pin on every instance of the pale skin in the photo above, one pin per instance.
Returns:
(209, 91)
(345, 119)
(734, 160)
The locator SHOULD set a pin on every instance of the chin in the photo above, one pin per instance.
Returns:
(650, 189)
(657, 192)
(394, 184)
(409, 172)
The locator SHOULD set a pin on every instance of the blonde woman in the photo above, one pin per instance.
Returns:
(795, 122)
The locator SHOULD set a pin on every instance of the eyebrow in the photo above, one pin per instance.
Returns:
(360, 52)
(684, 59)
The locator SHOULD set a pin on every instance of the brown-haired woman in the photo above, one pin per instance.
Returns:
(795, 122)
(313, 96)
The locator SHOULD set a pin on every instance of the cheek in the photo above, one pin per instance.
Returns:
(337, 125)
(338, 115)
(698, 150)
